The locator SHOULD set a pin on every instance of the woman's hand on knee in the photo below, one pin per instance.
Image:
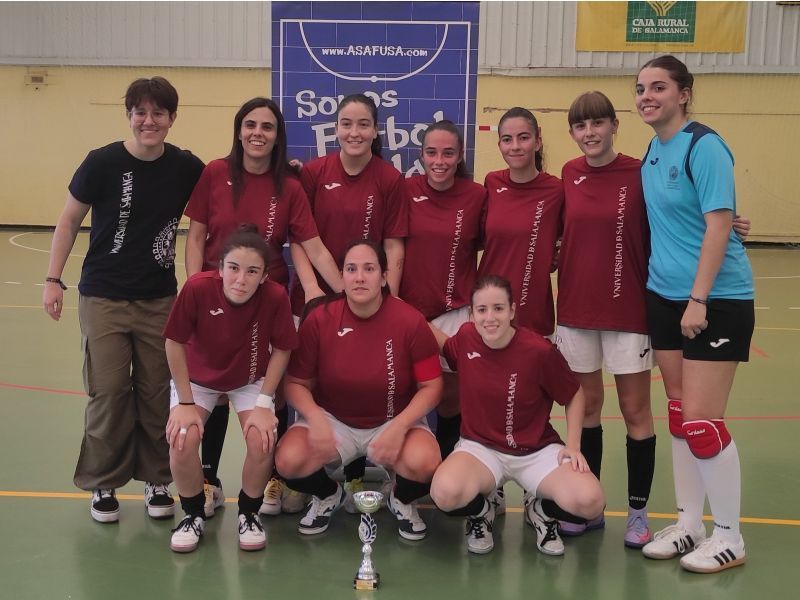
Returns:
(264, 421)
(574, 457)
(181, 418)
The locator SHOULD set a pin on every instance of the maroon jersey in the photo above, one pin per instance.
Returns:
(369, 205)
(227, 345)
(444, 235)
(366, 370)
(506, 395)
(276, 217)
(602, 268)
(523, 223)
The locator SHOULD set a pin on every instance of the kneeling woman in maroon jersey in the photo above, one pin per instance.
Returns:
(509, 379)
(230, 332)
(366, 374)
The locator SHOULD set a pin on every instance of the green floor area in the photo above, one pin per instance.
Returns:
(52, 549)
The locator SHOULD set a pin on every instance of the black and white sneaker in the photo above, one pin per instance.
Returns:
(498, 499)
(409, 524)
(186, 536)
(547, 538)
(105, 506)
(251, 532)
(158, 500)
(318, 514)
(479, 532)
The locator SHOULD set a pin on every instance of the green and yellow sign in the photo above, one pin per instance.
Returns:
(661, 26)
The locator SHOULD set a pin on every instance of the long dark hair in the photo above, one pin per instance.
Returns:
(278, 165)
(524, 113)
(246, 236)
(449, 127)
(377, 145)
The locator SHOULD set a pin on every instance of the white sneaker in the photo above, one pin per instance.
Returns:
(479, 532)
(409, 524)
(714, 554)
(350, 488)
(672, 541)
(272, 497)
(294, 501)
(547, 539)
(158, 500)
(498, 499)
(215, 498)
(186, 536)
(251, 532)
(318, 514)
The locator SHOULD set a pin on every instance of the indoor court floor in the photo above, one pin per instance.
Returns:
(52, 549)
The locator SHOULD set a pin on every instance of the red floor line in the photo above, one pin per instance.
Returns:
(34, 388)
(758, 351)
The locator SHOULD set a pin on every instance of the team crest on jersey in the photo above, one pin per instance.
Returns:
(164, 245)
(673, 173)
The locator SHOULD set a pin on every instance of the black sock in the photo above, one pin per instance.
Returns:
(248, 504)
(641, 464)
(448, 430)
(193, 505)
(355, 469)
(213, 440)
(592, 447)
(406, 490)
(473, 508)
(283, 425)
(317, 484)
(554, 511)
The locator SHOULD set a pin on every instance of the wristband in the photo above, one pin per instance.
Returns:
(698, 300)
(266, 401)
(56, 280)
(186, 403)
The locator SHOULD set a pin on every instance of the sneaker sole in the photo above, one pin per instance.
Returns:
(183, 549)
(414, 537)
(716, 569)
(666, 556)
(253, 547)
(472, 550)
(550, 552)
(636, 545)
(269, 509)
(312, 531)
(105, 517)
(161, 512)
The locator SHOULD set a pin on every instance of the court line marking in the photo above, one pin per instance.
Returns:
(511, 509)
(34, 388)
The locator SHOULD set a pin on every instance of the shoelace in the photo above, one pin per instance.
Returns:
(187, 523)
(552, 531)
(250, 522)
(475, 527)
(160, 489)
(105, 494)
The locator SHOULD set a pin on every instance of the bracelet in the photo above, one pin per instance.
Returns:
(698, 300)
(56, 280)
(186, 403)
(266, 401)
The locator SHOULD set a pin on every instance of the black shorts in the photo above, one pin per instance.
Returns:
(727, 337)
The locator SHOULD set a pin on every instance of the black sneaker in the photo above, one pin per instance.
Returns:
(318, 514)
(158, 500)
(105, 506)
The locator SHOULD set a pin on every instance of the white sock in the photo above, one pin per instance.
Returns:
(723, 482)
(690, 492)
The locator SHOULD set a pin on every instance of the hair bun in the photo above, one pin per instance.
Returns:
(248, 228)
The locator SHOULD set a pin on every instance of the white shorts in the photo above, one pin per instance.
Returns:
(243, 398)
(352, 443)
(449, 323)
(588, 350)
(527, 471)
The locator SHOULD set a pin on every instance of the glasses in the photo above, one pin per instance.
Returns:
(139, 115)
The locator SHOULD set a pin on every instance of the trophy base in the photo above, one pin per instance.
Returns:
(367, 584)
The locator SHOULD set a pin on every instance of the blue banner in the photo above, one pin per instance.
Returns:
(416, 60)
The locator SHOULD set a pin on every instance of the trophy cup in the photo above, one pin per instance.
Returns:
(367, 502)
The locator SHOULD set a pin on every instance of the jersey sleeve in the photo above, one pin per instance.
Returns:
(301, 223)
(557, 381)
(303, 363)
(396, 220)
(712, 169)
(308, 179)
(83, 186)
(183, 316)
(284, 334)
(424, 352)
(200, 200)
(450, 352)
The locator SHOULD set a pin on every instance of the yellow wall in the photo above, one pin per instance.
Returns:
(48, 131)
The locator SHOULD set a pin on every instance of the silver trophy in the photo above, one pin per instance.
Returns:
(367, 502)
